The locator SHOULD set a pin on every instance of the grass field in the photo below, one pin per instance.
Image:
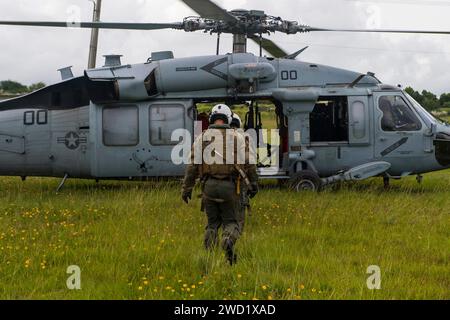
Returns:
(136, 240)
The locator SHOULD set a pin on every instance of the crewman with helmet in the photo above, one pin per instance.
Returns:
(220, 160)
(236, 122)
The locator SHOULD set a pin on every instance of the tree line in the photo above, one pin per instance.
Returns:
(429, 100)
(9, 87)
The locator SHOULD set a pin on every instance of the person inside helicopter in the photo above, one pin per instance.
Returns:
(397, 116)
(387, 122)
(329, 120)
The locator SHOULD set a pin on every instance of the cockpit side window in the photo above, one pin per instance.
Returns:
(397, 115)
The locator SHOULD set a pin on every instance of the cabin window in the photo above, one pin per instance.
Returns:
(397, 115)
(28, 118)
(358, 114)
(329, 120)
(42, 117)
(120, 126)
(164, 119)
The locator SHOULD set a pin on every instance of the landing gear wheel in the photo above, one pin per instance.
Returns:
(305, 180)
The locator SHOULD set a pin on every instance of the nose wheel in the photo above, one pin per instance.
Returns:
(305, 180)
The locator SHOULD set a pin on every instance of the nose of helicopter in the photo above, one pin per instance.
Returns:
(442, 145)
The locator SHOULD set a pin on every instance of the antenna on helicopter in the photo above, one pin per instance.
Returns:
(112, 60)
(66, 73)
(94, 34)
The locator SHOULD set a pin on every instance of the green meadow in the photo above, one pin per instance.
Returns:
(138, 240)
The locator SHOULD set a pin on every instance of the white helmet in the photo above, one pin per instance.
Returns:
(221, 111)
(236, 121)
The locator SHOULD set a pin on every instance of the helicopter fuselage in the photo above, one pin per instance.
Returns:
(117, 122)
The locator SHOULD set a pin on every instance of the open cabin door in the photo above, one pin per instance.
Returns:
(135, 140)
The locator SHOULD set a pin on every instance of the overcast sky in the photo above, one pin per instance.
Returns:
(423, 61)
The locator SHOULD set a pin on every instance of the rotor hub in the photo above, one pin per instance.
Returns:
(250, 23)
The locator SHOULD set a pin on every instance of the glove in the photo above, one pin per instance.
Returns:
(252, 193)
(187, 195)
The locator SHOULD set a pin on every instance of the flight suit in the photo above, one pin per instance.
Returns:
(220, 198)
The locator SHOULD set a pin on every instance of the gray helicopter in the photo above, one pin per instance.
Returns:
(116, 122)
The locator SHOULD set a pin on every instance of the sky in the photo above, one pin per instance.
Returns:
(33, 54)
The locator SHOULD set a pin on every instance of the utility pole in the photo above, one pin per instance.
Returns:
(94, 34)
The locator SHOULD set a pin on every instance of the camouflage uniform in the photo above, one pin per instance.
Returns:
(220, 199)
(244, 206)
(243, 193)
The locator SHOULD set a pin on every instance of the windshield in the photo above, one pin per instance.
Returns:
(424, 114)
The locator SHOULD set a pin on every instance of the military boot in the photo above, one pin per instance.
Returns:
(211, 240)
(228, 246)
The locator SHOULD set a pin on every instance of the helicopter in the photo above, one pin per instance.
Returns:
(117, 121)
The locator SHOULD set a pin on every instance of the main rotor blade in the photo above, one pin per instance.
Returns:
(96, 25)
(310, 29)
(210, 10)
(270, 47)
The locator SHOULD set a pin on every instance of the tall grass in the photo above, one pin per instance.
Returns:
(135, 240)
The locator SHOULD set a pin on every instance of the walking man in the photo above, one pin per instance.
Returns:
(219, 159)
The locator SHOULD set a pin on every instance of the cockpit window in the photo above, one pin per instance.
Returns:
(397, 115)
